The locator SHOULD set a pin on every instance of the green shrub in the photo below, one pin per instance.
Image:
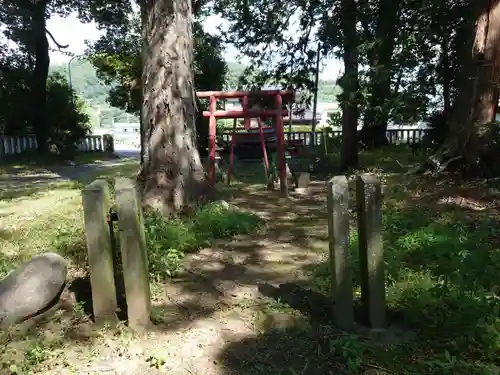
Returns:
(215, 221)
(169, 239)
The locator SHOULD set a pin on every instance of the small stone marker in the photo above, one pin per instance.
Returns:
(302, 181)
(371, 254)
(340, 257)
(32, 288)
(96, 205)
(108, 143)
(134, 254)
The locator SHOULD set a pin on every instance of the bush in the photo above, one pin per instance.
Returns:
(169, 239)
(216, 221)
(67, 120)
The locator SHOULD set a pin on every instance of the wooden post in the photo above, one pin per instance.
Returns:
(231, 153)
(371, 254)
(96, 204)
(134, 254)
(264, 147)
(212, 125)
(340, 257)
(280, 132)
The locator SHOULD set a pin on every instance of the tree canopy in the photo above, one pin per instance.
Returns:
(410, 55)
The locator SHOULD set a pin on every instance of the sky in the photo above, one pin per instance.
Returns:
(74, 33)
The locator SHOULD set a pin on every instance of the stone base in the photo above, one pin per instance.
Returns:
(302, 183)
(301, 191)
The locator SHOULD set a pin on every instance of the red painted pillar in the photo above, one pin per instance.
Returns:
(280, 132)
(211, 134)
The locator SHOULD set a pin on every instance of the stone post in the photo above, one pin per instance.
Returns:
(302, 183)
(340, 257)
(134, 254)
(371, 254)
(96, 204)
(108, 143)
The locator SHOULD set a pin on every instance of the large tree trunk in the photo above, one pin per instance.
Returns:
(173, 173)
(142, 125)
(350, 87)
(445, 74)
(376, 116)
(40, 74)
(472, 138)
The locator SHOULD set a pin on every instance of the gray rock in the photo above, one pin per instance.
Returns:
(31, 289)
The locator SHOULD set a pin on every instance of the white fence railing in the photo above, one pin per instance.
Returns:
(394, 136)
(91, 143)
(14, 145)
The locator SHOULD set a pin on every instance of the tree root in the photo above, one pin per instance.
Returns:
(440, 165)
(436, 164)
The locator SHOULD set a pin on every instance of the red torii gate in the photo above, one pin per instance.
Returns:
(246, 113)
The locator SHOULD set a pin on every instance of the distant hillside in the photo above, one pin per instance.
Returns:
(93, 91)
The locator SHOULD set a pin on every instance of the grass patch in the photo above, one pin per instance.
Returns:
(170, 239)
(442, 262)
(48, 217)
(54, 222)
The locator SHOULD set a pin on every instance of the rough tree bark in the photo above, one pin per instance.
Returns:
(40, 74)
(444, 66)
(472, 139)
(376, 116)
(350, 86)
(173, 175)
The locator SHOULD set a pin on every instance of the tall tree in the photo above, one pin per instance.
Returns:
(473, 137)
(380, 57)
(173, 174)
(349, 98)
(117, 58)
(26, 24)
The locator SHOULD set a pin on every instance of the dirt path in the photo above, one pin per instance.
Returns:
(223, 298)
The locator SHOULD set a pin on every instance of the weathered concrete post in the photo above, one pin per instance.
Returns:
(96, 204)
(134, 254)
(340, 257)
(371, 254)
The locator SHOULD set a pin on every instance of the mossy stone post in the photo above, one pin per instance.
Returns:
(340, 257)
(96, 204)
(134, 254)
(371, 252)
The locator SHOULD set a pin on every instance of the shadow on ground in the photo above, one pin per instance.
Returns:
(27, 181)
(228, 273)
(287, 351)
